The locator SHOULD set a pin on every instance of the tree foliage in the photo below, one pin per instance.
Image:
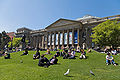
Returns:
(15, 42)
(4, 37)
(107, 33)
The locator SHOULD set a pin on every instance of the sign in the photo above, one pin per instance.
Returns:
(75, 37)
(70, 37)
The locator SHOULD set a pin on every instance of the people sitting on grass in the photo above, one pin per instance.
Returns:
(53, 60)
(48, 51)
(89, 50)
(67, 55)
(1, 53)
(109, 59)
(83, 54)
(6, 55)
(25, 53)
(62, 53)
(37, 55)
(72, 55)
(43, 62)
(57, 53)
(78, 50)
(114, 52)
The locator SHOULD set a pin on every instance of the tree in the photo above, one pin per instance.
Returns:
(0, 37)
(15, 42)
(107, 33)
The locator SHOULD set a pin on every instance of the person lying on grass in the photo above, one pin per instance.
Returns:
(109, 59)
(83, 54)
(37, 55)
(25, 53)
(53, 60)
(43, 62)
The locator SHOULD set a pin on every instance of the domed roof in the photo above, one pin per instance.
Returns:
(87, 17)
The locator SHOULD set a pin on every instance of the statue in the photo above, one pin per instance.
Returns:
(23, 38)
(23, 42)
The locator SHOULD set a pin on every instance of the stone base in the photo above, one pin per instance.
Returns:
(23, 46)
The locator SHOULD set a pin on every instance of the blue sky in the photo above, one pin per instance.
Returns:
(38, 14)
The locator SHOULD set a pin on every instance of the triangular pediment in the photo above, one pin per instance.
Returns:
(61, 22)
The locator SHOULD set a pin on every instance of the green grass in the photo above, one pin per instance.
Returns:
(13, 69)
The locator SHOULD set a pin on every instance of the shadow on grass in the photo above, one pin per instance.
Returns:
(58, 64)
(87, 57)
(69, 76)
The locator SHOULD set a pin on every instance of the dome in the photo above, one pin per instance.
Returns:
(87, 17)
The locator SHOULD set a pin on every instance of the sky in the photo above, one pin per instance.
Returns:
(38, 14)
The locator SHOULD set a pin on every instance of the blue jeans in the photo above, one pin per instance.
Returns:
(72, 57)
(110, 61)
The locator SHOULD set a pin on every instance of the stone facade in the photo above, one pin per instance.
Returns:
(66, 33)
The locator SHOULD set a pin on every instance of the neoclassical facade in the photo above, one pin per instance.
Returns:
(65, 33)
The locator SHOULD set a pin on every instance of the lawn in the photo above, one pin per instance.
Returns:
(13, 69)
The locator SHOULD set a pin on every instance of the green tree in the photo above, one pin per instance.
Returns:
(15, 42)
(107, 33)
(0, 37)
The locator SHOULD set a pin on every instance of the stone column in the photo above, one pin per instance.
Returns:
(54, 40)
(43, 38)
(67, 38)
(34, 41)
(63, 39)
(40, 41)
(78, 39)
(47, 40)
(72, 37)
(81, 39)
(50, 40)
(31, 41)
(58, 40)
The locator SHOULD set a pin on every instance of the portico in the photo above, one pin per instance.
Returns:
(64, 33)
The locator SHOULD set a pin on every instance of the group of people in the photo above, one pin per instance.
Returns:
(65, 53)
(6, 54)
(109, 57)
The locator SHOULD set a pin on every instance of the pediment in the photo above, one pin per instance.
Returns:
(61, 22)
